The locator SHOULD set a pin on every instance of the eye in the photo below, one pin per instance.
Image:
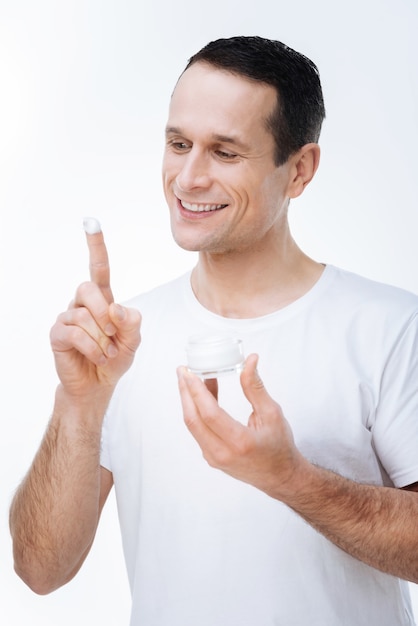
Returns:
(226, 156)
(178, 146)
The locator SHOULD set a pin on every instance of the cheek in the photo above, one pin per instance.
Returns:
(167, 184)
(251, 195)
(168, 167)
(241, 186)
(166, 179)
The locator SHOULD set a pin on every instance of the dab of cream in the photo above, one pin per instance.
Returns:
(209, 356)
(91, 225)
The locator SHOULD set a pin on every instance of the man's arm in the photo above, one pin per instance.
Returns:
(53, 524)
(55, 512)
(377, 525)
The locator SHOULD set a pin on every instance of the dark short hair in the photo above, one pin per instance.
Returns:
(300, 110)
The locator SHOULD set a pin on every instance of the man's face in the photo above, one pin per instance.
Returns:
(224, 192)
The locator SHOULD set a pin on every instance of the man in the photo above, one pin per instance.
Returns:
(313, 518)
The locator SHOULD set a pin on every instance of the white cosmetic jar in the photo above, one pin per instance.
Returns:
(209, 356)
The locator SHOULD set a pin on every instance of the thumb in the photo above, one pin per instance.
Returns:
(253, 386)
(128, 323)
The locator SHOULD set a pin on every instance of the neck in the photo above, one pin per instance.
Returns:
(254, 282)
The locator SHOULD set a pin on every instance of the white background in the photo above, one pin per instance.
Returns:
(84, 88)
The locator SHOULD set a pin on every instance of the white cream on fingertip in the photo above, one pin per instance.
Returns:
(91, 225)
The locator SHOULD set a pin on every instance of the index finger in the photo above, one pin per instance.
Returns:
(202, 413)
(99, 260)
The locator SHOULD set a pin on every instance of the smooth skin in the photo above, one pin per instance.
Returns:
(220, 152)
(218, 155)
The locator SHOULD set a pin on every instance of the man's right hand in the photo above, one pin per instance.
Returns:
(95, 340)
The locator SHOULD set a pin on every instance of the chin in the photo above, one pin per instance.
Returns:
(189, 246)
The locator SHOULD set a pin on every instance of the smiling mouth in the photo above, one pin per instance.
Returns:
(201, 208)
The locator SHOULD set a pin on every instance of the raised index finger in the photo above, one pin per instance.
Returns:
(99, 260)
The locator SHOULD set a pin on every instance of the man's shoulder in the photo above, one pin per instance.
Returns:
(367, 293)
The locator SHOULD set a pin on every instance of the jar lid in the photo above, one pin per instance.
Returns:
(211, 355)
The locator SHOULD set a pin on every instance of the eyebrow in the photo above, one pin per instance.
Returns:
(174, 130)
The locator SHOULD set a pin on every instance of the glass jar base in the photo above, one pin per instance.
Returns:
(215, 373)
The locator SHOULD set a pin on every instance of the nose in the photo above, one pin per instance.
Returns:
(194, 171)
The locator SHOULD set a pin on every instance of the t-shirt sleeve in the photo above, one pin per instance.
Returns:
(395, 432)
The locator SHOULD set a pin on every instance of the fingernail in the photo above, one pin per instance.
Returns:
(110, 329)
(91, 225)
(111, 350)
(183, 373)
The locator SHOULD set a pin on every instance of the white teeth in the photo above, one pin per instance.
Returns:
(198, 208)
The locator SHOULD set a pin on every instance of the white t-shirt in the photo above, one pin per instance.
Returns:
(203, 549)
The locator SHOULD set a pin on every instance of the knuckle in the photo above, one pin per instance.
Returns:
(83, 290)
(137, 317)
(60, 320)
(220, 457)
(209, 418)
(54, 334)
(258, 384)
(274, 412)
(75, 336)
(81, 316)
(188, 420)
(99, 263)
(62, 337)
(243, 446)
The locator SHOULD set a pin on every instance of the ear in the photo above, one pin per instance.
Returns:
(303, 165)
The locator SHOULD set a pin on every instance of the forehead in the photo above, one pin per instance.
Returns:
(218, 99)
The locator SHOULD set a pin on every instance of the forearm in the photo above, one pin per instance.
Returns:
(377, 525)
(55, 511)
(374, 524)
